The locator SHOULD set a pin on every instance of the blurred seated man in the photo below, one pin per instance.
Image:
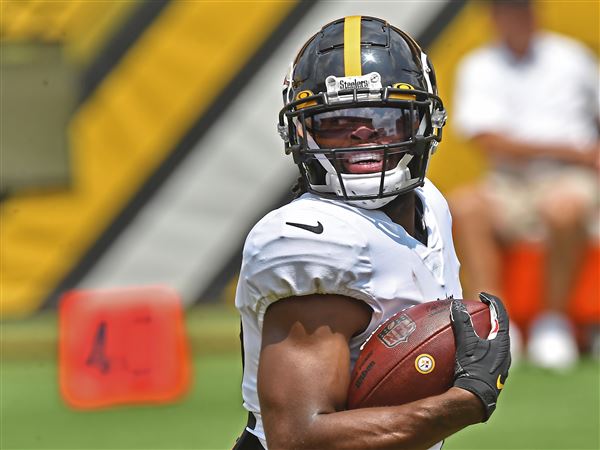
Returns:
(530, 102)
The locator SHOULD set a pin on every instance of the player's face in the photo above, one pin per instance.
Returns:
(361, 127)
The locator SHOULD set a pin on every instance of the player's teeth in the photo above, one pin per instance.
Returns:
(367, 156)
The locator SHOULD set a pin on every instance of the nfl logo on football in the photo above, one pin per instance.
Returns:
(397, 331)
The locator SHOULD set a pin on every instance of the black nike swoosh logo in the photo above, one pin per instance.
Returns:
(317, 229)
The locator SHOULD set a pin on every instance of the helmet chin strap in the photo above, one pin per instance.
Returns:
(393, 179)
(361, 182)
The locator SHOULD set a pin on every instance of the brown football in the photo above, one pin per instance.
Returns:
(411, 355)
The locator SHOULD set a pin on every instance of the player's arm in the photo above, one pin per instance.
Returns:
(303, 380)
(500, 145)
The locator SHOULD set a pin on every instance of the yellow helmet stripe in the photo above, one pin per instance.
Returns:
(352, 66)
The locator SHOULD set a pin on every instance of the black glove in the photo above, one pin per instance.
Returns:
(481, 364)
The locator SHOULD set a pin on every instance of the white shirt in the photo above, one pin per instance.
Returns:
(549, 96)
(360, 253)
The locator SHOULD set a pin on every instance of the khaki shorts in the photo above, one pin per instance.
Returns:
(517, 200)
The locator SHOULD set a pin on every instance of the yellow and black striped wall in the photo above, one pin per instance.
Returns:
(173, 152)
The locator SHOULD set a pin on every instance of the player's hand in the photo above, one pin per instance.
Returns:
(481, 364)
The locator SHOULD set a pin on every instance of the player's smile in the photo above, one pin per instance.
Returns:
(363, 162)
(368, 162)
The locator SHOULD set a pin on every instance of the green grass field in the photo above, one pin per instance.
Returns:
(538, 410)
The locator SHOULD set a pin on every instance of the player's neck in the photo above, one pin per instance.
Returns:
(402, 211)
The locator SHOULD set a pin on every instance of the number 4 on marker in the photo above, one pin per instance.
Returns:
(97, 356)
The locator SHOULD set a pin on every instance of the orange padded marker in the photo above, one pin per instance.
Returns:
(523, 285)
(122, 346)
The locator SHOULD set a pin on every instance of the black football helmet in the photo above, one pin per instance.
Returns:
(361, 114)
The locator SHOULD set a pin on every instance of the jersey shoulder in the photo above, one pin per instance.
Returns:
(305, 222)
(306, 247)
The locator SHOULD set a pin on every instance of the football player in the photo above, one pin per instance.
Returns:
(367, 236)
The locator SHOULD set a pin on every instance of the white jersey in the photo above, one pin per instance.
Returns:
(346, 250)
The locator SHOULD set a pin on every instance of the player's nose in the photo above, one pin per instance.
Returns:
(363, 133)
